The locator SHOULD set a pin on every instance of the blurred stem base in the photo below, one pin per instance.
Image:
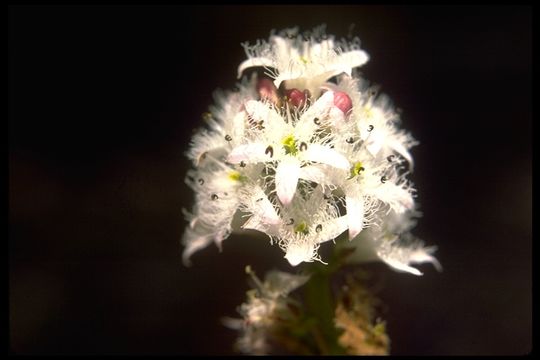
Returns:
(325, 310)
(344, 318)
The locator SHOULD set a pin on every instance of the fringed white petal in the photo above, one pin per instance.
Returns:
(299, 252)
(193, 242)
(355, 215)
(248, 153)
(424, 255)
(375, 142)
(402, 266)
(253, 62)
(351, 59)
(287, 174)
(396, 196)
(264, 217)
(332, 229)
(314, 173)
(402, 150)
(325, 155)
(400, 257)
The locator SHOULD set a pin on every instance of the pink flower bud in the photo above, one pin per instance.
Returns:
(343, 102)
(296, 97)
(267, 90)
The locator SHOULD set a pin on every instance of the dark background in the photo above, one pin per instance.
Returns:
(102, 103)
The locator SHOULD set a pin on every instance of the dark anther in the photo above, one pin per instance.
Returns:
(214, 197)
(370, 128)
(228, 137)
(390, 158)
(350, 140)
(318, 228)
(383, 179)
(259, 199)
(303, 146)
(290, 222)
(242, 163)
(201, 181)
(225, 193)
(269, 151)
(317, 121)
(305, 37)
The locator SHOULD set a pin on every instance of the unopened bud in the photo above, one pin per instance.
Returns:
(296, 97)
(267, 90)
(343, 102)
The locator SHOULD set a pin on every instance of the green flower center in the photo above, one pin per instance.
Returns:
(289, 144)
(301, 228)
(356, 169)
(236, 176)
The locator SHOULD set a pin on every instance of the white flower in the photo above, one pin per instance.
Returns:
(301, 227)
(304, 61)
(287, 143)
(392, 242)
(302, 164)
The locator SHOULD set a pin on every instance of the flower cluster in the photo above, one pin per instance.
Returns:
(303, 153)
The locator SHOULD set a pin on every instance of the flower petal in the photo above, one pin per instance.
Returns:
(261, 112)
(265, 218)
(355, 215)
(400, 257)
(248, 153)
(252, 62)
(298, 252)
(424, 255)
(396, 196)
(351, 59)
(287, 174)
(402, 150)
(375, 141)
(333, 228)
(193, 242)
(396, 264)
(314, 173)
(325, 155)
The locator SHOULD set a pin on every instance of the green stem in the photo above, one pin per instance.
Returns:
(320, 305)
